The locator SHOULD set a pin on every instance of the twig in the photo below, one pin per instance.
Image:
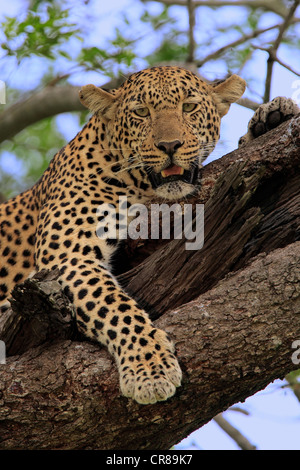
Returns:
(287, 67)
(276, 7)
(279, 61)
(247, 103)
(191, 11)
(234, 433)
(236, 43)
(272, 51)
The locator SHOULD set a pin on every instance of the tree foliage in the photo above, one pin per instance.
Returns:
(44, 32)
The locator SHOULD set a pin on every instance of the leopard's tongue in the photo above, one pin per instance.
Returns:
(172, 170)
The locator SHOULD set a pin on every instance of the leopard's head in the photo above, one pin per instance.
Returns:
(164, 120)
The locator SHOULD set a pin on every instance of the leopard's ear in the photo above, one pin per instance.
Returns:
(98, 100)
(228, 92)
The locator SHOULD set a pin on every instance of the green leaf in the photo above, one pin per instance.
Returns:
(40, 33)
(35, 146)
(169, 51)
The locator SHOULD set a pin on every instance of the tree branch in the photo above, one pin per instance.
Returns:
(42, 104)
(237, 42)
(286, 66)
(191, 11)
(232, 339)
(274, 48)
(234, 433)
(47, 102)
(66, 395)
(274, 6)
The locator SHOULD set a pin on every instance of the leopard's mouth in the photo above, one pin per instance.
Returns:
(173, 173)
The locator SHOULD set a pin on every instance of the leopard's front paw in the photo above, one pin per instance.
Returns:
(269, 115)
(149, 371)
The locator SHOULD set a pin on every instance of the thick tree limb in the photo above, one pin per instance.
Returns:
(48, 102)
(42, 104)
(232, 339)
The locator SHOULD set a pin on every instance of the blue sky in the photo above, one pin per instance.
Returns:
(274, 420)
(273, 423)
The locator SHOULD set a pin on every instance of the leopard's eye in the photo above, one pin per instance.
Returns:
(142, 111)
(189, 107)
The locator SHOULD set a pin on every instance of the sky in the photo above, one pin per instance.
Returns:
(273, 421)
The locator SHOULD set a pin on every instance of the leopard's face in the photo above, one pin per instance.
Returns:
(164, 121)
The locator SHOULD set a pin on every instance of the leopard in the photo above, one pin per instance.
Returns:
(144, 140)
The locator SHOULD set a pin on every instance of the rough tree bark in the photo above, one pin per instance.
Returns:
(232, 309)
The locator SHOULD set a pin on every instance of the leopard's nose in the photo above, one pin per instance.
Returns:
(169, 147)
